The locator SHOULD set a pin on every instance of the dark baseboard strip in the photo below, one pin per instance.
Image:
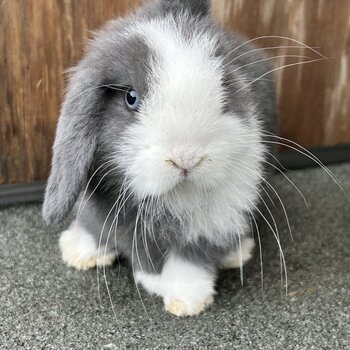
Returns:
(22, 193)
(293, 160)
(290, 160)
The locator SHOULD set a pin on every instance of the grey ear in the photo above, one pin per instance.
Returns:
(73, 149)
(196, 7)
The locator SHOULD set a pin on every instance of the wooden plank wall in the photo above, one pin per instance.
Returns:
(314, 98)
(40, 39)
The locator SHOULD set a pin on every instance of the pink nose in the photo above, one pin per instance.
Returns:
(185, 164)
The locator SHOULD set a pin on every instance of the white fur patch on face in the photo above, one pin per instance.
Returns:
(80, 250)
(184, 100)
(202, 164)
(187, 289)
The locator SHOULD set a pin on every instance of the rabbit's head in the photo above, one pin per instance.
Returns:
(158, 99)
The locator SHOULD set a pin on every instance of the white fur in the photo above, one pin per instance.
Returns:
(236, 259)
(80, 250)
(186, 288)
(181, 120)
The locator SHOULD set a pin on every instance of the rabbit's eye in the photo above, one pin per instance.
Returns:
(132, 99)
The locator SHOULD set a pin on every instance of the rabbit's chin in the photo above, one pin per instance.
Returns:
(187, 188)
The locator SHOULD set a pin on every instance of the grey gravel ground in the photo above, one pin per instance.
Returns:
(46, 305)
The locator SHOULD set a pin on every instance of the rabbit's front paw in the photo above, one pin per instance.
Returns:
(236, 259)
(180, 307)
(80, 250)
(187, 288)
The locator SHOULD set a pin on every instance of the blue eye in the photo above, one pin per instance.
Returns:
(132, 99)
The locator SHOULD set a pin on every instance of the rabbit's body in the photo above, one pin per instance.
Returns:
(172, 184)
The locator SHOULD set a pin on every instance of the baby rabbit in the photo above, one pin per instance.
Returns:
(161, 135)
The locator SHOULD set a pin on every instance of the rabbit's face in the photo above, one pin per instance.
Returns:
(158, 100)
(178, 134)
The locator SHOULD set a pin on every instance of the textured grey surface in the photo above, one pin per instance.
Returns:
(46, 305)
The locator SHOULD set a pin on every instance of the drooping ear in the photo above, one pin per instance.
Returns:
(73, 148)
(196, 7)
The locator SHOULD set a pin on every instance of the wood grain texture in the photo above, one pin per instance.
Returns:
(40, 39)
(314, 99)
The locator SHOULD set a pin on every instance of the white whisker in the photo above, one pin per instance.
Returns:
(269, 59)
(277, 69)
(134, 239)
(260, 251)
(265, 49)
(99, 247)
(80, 209)
(274, 37)
(278, 243)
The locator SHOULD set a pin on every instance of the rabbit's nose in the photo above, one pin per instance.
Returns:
(186, 164)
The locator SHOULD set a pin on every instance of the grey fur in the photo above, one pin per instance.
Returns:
(92, 117)
(197, 8)
(84, 110)
(73, 149)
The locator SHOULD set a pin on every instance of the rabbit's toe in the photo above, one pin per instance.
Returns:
(179, 307)
(79, 250)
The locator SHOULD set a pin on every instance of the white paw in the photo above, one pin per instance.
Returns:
(237, 258)
(187, 289)
(180, 307)
(80, 250)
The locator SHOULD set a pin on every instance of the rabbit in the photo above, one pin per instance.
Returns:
(160, 140)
